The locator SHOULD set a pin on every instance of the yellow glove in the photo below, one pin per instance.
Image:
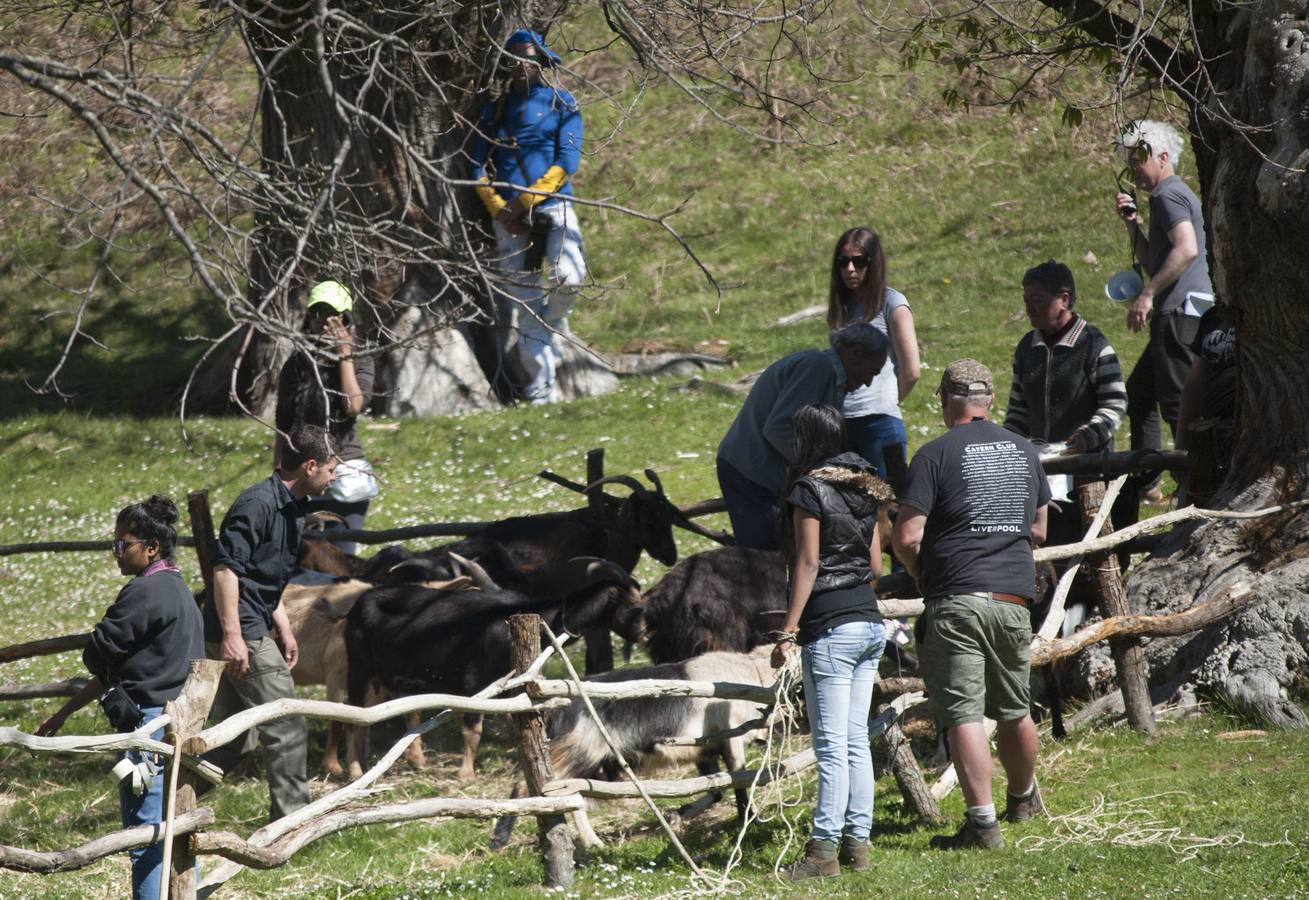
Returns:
(490, 199)
(550, 182)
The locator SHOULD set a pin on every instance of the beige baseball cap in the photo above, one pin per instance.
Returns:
(966, 378)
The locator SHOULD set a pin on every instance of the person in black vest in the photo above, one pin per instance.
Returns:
(139, 655)
(829, 526)
(971, 512)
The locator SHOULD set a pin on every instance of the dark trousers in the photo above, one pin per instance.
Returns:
(1155, 384)
(751, 507)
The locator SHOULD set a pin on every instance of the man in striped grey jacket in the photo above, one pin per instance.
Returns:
(1067, 383)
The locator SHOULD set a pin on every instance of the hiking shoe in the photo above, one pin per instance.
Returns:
(1020, 809)
(970, 837)
(854, 853)
(819, 861)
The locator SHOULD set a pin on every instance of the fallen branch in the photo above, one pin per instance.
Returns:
(46, 862)
(1123, 462)
(1158, 523)
(112, 743)
(66, 688)
(43, 647)
(218, 875)
(237, 725)
(270, 856)
(891, 686)
(801, 315)
(1054, 617)
(1237, 598)
(652, 687)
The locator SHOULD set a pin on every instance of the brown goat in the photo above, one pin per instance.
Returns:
(317, 614)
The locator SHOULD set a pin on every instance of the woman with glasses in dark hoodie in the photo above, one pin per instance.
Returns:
(859, 293)
(829, 524)
(139, 655)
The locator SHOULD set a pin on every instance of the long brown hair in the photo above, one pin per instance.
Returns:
(872, 293)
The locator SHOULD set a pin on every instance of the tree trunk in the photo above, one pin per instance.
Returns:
(1253, 181)
(358, 138)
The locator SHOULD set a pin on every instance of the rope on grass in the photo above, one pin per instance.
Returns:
(1131, 823)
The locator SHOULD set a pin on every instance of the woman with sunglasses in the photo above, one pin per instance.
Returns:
(859, 292)
(139, 655)
(328, 386)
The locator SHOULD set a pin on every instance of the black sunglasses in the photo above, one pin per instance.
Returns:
(120, 545)
(859, 262)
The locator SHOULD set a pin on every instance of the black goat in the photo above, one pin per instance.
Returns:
(537, 555)
(409, 639)
(727, 598)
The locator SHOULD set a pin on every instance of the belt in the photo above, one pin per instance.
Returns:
(1009, 598)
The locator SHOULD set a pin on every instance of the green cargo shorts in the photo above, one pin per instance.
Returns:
(975, 659)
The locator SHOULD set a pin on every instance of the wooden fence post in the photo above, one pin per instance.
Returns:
(595, 470)
(1107, 578)
(202, 530)
(556, 840)
(913, 787)
(188, 713)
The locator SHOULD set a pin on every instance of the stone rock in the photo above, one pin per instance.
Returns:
(436, 375)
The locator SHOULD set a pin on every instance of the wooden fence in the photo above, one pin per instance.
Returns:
(189, 831)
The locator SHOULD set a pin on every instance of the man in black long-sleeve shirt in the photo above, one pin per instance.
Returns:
(245, 625)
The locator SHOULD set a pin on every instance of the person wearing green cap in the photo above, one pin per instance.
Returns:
(528, 141)
(329, 385)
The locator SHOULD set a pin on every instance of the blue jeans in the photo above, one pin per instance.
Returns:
(751, 507)
(839, 670)
(543, 311)
(148, 809)
(870, 434)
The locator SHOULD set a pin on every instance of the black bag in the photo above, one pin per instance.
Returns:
(122, 711)
(538, 232)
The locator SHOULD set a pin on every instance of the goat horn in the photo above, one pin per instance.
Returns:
(654, 479)
(596, 566)
(474, 571)
(625, 480)
(319, 521)
(426, 566)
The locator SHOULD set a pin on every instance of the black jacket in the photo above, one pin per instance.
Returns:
(147, 639)
(843, 493)
(1073, 386)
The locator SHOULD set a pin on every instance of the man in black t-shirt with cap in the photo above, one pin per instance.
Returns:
(973, 507)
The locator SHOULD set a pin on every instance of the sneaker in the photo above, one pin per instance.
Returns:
(819, 861)
(854, 854)
(1020, 809)
(970, 837)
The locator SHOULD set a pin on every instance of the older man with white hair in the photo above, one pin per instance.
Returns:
(1173, 255)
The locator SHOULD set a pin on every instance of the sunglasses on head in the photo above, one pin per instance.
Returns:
(859, 262)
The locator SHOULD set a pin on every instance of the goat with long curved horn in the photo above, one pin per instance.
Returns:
(474, 571)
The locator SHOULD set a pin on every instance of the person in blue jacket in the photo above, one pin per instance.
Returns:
(139, 655)
(525, 151)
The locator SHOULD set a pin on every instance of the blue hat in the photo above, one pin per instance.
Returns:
(527, 36)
